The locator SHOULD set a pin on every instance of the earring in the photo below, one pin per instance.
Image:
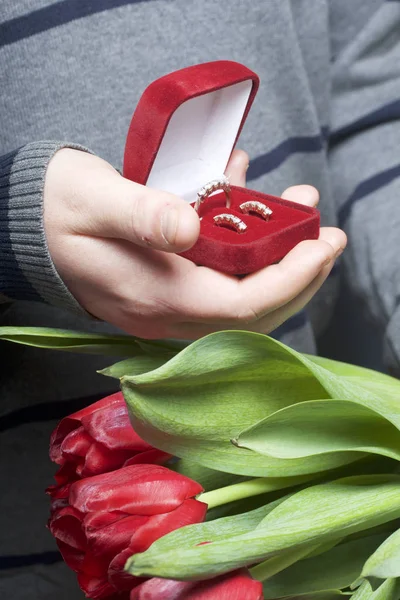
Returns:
(230, 221)
(253, 206)
(212, 186)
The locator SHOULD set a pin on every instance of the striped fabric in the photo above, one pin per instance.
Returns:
(327, 114)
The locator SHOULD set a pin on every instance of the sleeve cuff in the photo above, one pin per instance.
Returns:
(26, 269)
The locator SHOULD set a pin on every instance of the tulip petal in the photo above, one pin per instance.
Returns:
(58, 504)
(233, 586)
(72, 422)
(95, 588)
(58, 492)
(190, 512)
(152, 528)
(66, 473)
(103, 544)
(76, 443)
(111, 427)
(66, 526)
(153, 457)
(63, 429)
(137, 489)
(72, 557)
(99, 460)
(98, 439)
(98, 520)
(156, 588)
(111, 540)
(120, 579)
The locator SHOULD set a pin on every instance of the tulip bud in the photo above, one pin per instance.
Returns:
(99, 439)
(99, 522)
(238, 585)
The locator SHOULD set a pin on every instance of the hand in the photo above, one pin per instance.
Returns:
(113, 242)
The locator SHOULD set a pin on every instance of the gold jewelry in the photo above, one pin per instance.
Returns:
(212, 186)
(253, 206)
(230, 221)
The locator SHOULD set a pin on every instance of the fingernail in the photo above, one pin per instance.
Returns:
(169, 224)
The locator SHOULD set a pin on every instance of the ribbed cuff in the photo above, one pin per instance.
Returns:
(26, 269)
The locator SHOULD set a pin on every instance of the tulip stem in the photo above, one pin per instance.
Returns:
(252, 487)
(245, 489)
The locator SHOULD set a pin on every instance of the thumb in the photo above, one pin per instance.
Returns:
(237, 168)
(146, 217)
(86, 195)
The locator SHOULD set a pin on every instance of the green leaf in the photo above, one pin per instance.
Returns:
(90, 343)
(162, 346)
(223, 528)
(312, 516)
(238, 507)
(216, 480)
(326, 595)
(322, 427)
(336, 568)
(354, 373)
(134, 366)
(385, 562)
(193, 405)
(389, 590)
(209, 479)
(71, 341)
(345, 506)
(379, 392)
(276, 564)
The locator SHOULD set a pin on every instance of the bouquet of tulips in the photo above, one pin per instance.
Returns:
(232, 468)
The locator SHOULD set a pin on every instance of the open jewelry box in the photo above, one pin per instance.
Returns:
(181, 136)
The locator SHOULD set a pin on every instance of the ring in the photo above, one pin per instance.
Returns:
(212, 186)
(253, 206)
(228, 220)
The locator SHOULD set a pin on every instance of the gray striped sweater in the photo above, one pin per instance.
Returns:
(327, 114)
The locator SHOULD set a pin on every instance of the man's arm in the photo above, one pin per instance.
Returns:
(26, 270)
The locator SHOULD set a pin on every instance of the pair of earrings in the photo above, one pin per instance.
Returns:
(227, 219)
(250, 207)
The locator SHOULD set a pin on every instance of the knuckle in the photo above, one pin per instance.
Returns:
(146, 214)
(136, 215)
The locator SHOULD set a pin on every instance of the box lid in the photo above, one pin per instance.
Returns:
(186, 125)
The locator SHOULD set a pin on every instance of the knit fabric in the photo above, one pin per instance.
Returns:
(327, 114)
(27, 271)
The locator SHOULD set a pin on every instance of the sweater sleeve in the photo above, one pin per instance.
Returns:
(364, 160)
(26, 269)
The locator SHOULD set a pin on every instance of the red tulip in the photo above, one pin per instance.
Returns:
(100, 521)
(99, 439)
(237, 585)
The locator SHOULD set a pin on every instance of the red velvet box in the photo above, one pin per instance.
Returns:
(181, 137)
